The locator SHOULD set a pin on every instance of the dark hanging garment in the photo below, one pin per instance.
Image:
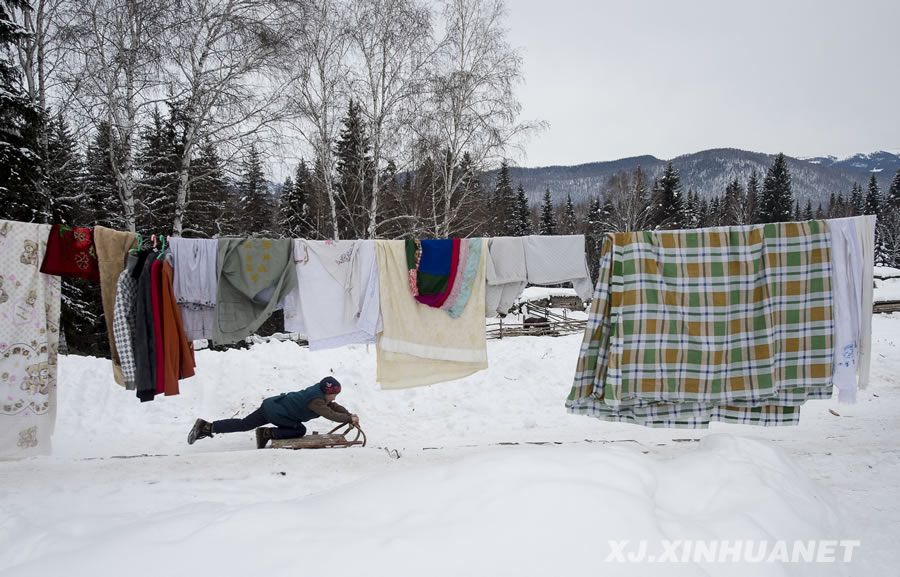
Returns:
(144, 339)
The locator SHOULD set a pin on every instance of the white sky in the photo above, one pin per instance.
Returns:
(668, 77)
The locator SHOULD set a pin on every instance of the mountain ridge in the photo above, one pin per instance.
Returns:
(707, 172)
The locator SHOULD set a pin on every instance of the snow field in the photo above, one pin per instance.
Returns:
(456, 501)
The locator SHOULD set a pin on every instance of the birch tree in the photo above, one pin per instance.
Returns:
(115, 65)
(319, 90)
(472, 106)
(392, 41)
(218, 69)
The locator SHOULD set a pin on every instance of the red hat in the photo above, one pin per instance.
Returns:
(330, 386)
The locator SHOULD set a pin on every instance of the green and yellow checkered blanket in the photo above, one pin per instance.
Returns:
(731, 324)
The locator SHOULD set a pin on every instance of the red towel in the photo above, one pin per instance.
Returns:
(71, 253)
(156, 303)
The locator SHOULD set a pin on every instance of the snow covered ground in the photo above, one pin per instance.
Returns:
(469, 494)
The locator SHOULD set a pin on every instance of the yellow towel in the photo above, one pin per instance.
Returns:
(421, 345)
(112, 249)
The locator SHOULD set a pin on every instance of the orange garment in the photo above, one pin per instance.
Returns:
(178, 362)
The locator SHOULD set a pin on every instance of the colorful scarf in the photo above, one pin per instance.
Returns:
(432, 267)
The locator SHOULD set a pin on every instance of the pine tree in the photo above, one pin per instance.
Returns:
(503, 206)
(808, 213)
(211, 209)
(569, 223)
(893, 196)
(820, 212)
(668, 207)
(20, 124)
(255, 202)
(753, 198)
(355, 174)
(548, 219)
(522, 213)
(100, 182)
(691, 211)
(294, 217)
(158, 161)
(873, 198)
(798, 214)
(593, 231)
(840, 207)
(857, 204)
(734, 204)
(777, 197)
(64, 173)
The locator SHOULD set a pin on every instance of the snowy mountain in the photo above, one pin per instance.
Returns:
(709, 171)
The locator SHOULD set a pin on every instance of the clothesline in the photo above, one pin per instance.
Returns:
(423, 304)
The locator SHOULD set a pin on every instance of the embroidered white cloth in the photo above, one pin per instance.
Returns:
(337, 300)
(29, 341)
(559, 259)
(421, 345)
(505, 272)
(865, 230)
(847, 279)
(196, 284)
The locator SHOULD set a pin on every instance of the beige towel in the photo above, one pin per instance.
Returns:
(112, 248)
(421, 345)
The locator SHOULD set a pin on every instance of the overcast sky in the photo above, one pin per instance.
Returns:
(668, 77)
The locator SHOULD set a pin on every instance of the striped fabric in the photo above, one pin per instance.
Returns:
(731, 324)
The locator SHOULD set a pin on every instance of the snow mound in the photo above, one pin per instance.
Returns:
(502, 511)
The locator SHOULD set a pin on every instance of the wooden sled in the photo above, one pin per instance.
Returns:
(330, 440)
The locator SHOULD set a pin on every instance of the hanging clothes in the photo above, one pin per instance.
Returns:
(421, 345)
(847, 266)
(112, 247)
(159, 358)
(254, 276)
(29, 341)
(865, 230)
(469, 262)
(145, 340)
(558, 259)
(506, 273)
(71, 253)
(124, 320)
(435, 267)
(178, 355)
(196, 284)
(337, 299)
(731, 324)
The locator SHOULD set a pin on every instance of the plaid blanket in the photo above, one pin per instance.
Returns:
(731, 324)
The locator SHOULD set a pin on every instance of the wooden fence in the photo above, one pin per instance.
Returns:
(537, 321)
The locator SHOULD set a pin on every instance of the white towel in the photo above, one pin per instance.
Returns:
(558, 259)
(337, 300)
(505, 272)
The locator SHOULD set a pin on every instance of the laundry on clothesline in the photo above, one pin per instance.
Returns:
(421, 344)
(336, 301)
(29, 341)
(732, 324)
(255, 275)
(196, 284)
(515, 262)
